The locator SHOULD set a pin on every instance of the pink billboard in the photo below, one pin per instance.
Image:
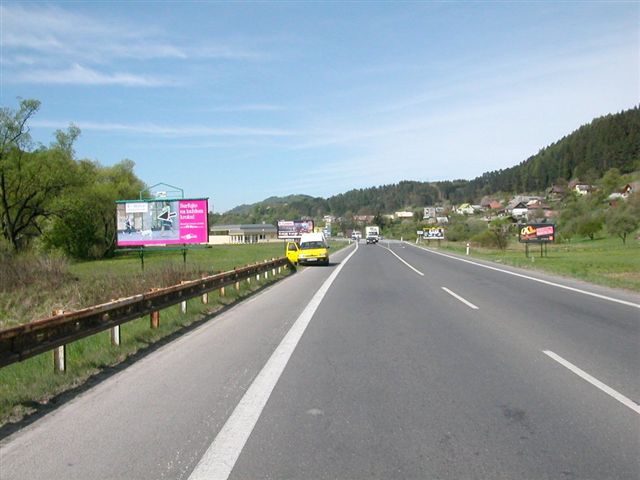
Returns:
(162, 222)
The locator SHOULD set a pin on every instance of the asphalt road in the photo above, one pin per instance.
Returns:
(394, 362)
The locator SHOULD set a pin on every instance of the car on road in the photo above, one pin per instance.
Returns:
(372, 240)
(312, 249)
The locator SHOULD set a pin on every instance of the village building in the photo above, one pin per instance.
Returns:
(238, 234)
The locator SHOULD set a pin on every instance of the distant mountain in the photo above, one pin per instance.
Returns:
(611, 141)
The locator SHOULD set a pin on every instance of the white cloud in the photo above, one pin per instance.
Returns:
(72, 38)
(79, 75)
(163, 130)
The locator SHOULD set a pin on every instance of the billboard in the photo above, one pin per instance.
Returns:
(537, 233)
(433, 233)
(162, 221)
(294, 228)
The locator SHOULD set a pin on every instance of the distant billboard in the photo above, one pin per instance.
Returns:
(294, 228)
(537, 233)
(162, 221)
(433, 233)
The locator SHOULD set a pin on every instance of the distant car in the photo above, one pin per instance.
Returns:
(371, 240)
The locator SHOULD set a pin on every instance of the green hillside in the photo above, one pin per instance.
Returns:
(611, 141)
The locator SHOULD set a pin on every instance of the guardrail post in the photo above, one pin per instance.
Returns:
(222, 291)
(59, 353)
(115, 336)
(60, 359)
(205, 298)
(183, 306)
(258, 277)
(238, 286)
(155, 319)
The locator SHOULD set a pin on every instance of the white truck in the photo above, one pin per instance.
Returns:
(372, 233)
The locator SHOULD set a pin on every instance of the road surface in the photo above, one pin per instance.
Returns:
(394, 362)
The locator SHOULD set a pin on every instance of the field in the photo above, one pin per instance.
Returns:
(603, 261)
(39, 286)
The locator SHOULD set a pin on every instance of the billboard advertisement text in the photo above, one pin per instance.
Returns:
(433, 233)
(294, 228)
(162, 222)
(537, 233)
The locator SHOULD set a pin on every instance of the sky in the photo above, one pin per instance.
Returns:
(240, 101)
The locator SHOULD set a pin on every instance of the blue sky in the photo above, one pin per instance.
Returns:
(240, 101)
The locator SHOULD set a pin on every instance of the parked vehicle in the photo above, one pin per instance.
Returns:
(312, 249)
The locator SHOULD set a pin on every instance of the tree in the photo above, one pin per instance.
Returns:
(589, 223)
(30, 181)
(500, 229)
(84, 225)
(622, 221)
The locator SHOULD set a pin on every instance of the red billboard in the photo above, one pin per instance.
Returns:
(162, 222)
(537, 233)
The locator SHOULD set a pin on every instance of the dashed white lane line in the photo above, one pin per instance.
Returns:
(455, 295)
(594, 381)
(546, 282)
(221, 456)
(403, 261)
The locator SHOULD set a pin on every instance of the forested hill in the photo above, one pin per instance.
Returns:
(612, 141)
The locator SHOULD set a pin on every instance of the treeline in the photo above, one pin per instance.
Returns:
(612, 141)
(51, 201)
(608, 142)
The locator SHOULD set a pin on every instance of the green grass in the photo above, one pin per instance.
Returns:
(28, 385)
(90, 283)
(603, 261)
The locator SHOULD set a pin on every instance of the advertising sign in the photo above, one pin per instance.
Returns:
(162, 222)
(294, 228)
(433, 233)
(537, 233)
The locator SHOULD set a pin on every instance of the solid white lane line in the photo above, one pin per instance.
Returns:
(594, 381)
(221, 456)
(402, 260)
(467, 303)
(546, 282)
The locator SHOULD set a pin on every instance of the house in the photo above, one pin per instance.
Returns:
(630, 188)
(442, 220)
(583, 189)
(495, 205)
(518, 211)
(248, 233)
(465, 209)
(403, 214)
(556, 192)
(364, 219)
(429, 212)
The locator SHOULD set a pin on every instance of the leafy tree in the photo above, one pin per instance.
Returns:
(589, 223)
(611, 181)
(622, 220)
(30, 181)
(85, 225)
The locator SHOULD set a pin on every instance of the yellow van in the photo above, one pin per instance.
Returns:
(312, 249)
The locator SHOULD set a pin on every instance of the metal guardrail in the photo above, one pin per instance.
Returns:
(23, 341)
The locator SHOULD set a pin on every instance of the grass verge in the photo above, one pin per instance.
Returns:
(29, 386)
(603, 261)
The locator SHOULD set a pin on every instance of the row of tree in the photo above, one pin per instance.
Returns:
(51, 200)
